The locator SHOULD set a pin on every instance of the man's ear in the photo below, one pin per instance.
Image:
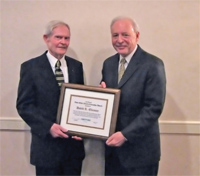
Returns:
(45, 38)
(137, 35)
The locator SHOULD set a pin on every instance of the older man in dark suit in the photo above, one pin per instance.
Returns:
(134, 149)
(53, 152)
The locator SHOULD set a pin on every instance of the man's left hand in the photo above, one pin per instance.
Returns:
(116, 140)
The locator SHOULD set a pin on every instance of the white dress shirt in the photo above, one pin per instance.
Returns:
(63, 66)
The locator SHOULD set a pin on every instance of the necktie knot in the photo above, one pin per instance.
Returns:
(58, 64)
(123, 61)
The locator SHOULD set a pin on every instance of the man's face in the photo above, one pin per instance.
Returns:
(124, 38)
(58, 41)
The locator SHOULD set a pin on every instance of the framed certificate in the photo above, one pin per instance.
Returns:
(88, 111)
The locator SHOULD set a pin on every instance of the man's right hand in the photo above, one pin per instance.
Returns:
(103, 84)
(58, 131)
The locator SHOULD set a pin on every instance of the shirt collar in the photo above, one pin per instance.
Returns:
(128, 58)
(53, 60)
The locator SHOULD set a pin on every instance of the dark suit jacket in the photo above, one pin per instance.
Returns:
(142, 98)
(37, 103)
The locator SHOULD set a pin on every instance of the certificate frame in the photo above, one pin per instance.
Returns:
(88, 111)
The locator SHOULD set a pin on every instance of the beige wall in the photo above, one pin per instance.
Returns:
(169, 30)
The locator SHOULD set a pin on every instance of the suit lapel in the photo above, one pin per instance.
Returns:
(114, 71)
(47, 72)
(70, 69)
(132, 67)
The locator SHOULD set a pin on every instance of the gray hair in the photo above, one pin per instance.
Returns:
(133, 22)
(52, 24)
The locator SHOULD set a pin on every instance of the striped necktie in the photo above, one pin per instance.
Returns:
(59, 73)
(121, 69)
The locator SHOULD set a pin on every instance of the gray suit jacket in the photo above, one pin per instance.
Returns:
(37, 103)
(143, 88)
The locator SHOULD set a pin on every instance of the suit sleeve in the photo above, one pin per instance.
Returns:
(152, 103)
(27, 103)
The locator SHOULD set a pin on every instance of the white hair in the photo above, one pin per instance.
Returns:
(133, 22)
(52, 24)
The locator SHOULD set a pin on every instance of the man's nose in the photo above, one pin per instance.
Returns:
(120, 39)
(63, 40)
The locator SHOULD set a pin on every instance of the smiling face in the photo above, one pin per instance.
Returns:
(58, 41)
(124, 38)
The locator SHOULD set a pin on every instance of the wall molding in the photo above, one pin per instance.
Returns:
(166, 127)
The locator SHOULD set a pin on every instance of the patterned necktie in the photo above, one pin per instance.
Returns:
(59, 73)
(121, 69)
